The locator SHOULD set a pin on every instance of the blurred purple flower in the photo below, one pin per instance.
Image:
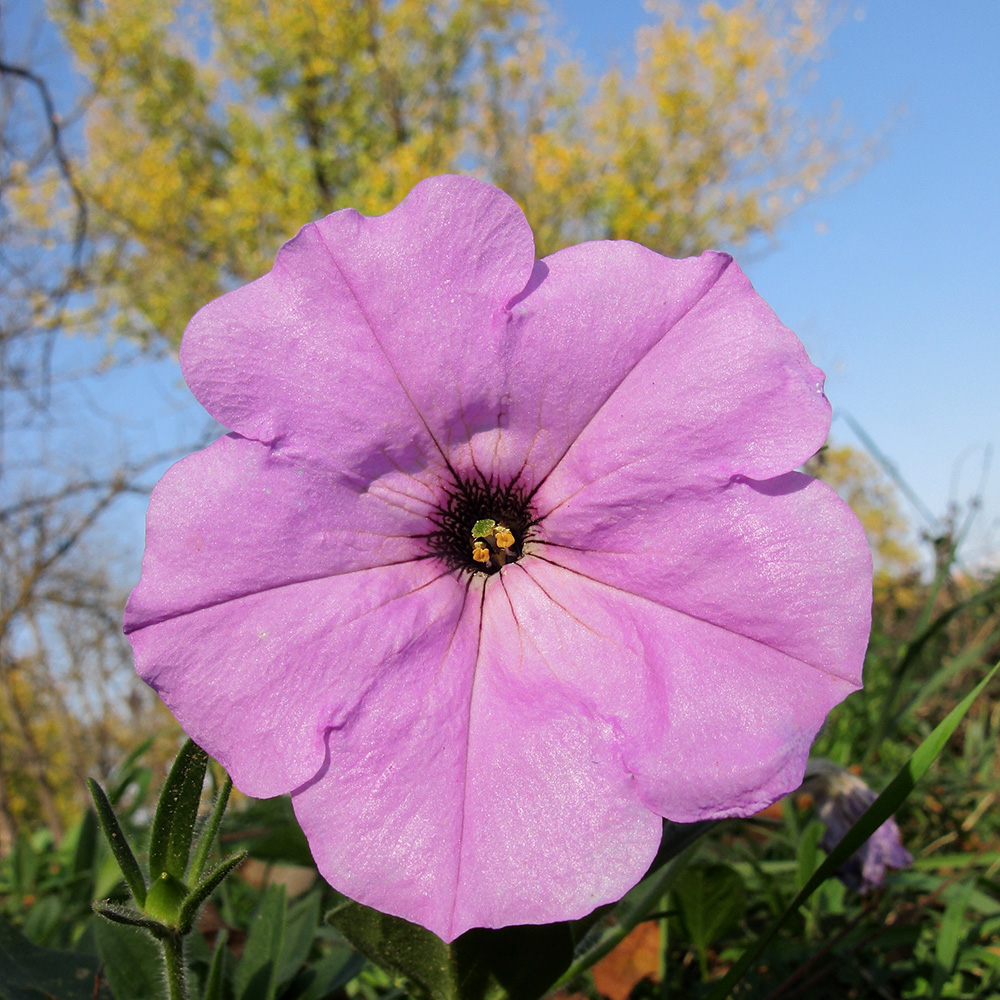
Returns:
(841, 798)
(503, 560)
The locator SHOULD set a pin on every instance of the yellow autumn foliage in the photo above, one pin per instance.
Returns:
(218, 127)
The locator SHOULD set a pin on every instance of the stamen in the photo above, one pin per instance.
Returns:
(480, 552)
(504, 537)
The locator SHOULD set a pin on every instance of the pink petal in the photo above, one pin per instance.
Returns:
(736, 752)
(241, 517)
(496, 799)
(784, 563)
(674, 368)
(257, 680)
(371, 336)
(709, 723)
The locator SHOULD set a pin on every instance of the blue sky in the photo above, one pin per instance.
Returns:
(890, 282)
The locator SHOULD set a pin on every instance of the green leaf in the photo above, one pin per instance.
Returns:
(133, 961)
(130, 869)
(257, 973)
(807, 851)
(332, 972)
(400, 948)
(24, 865)
(176, 812)
(873, 817)
(269, 831)
(953, 929)
(711, 899)
(85, 848)
(519, 963)
(44, 921)
(302, 922)
(28, 972)
(213, 985)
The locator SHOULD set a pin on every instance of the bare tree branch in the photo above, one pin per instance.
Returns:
(58, 150)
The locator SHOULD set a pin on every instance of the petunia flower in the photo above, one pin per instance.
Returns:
(502, 560)
(841, 798)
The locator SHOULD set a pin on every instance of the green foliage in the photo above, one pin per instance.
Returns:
(727, 891)
(47, 888)
(711, 900)
(131, 960)
(516, 962)
(28, 972)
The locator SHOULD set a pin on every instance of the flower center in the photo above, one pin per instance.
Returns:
(480, 526)
(491, 543)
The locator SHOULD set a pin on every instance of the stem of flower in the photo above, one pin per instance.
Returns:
(173, 955)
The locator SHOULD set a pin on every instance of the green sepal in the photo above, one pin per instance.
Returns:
(204, 889)
(130, 869)
(870, 820)
(209, 831)
(514, 963)
(176, 812)
(121, 914)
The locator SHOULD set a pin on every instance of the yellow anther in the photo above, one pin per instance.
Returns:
(480, 552)
(504, 537)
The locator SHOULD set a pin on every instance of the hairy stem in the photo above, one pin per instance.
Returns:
(173, 955)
